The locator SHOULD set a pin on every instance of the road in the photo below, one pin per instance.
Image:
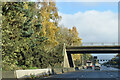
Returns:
(105, 72)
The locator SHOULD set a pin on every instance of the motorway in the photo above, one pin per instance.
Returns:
(105, 72)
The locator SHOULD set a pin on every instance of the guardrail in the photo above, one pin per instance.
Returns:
(100, 44)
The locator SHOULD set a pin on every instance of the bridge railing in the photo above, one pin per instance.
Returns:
(100, 44)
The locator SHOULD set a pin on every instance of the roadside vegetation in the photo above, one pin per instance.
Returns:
(114, 62)
(32, 37)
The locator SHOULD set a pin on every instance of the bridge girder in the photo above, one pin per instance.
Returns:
(87, 49)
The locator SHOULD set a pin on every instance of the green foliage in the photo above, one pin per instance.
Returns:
(114, 61)
(33, 68)
(17, 34)
(31, 37)
(77, 62)
(32, 76)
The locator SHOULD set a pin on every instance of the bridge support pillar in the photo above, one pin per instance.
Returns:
(68, 60)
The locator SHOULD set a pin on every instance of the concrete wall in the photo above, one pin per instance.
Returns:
(62, 70)
(27, 73)
(8, 74)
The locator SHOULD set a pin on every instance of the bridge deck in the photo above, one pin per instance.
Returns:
(93, 49)
(82, 47)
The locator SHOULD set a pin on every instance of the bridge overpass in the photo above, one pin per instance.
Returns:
(105, 48)
(92, 49)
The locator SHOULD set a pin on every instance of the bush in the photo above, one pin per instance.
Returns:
(33, 68)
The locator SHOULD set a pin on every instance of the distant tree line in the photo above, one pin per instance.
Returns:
(115, 62)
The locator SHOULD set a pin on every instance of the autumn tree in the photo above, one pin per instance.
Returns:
(31, 36)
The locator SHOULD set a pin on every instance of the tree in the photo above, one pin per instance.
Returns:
(31, 36)
(49, 18)
(17, 31)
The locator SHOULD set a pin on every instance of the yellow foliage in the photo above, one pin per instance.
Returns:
(76, 56)
(49, 28)
(26, 6)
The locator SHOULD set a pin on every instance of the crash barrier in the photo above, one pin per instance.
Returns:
(8, 74)
(24, 73)
(36, 72)
(62, 70)
(28, 73)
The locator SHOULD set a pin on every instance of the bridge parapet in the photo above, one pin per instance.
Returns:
(100, 44)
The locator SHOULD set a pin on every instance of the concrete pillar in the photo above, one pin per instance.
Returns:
(66, 62)
(68, 59)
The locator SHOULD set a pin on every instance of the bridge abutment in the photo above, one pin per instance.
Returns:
(68, 59)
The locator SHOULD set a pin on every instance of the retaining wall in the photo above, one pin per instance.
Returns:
(26, 73)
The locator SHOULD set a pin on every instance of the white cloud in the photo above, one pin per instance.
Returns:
(87, 0)
(71, 0)
(93, 26)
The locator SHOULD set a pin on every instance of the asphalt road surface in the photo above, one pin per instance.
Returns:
(105, 72)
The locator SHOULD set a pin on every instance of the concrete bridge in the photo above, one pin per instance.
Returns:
(104, 48)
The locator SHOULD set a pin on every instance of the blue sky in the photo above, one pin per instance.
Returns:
(95, 21)
(74, 7)
(92, 19)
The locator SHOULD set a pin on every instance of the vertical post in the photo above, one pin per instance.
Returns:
(82, 60)
(85, 58)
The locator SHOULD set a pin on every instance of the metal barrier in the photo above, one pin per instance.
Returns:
(100, 44)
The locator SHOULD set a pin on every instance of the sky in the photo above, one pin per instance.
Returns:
(87, 0)
(107, 57)
(95, 21)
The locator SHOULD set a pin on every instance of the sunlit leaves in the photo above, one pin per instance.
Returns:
(32, 37)
(26, 6)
